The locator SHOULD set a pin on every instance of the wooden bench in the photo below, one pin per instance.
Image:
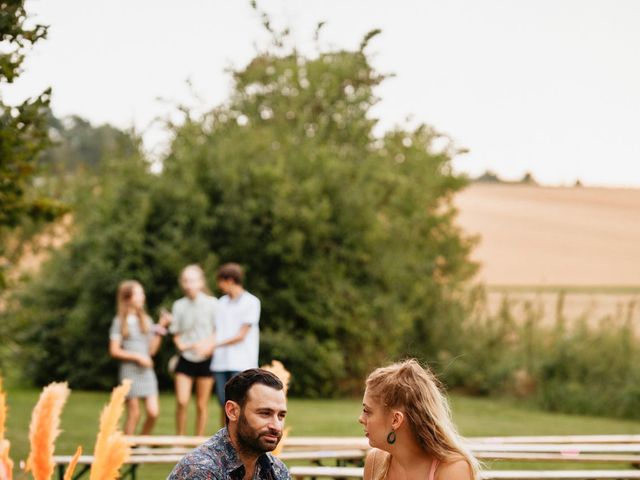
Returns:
(559, 457)
(611, 453)
(342, 457)
(353, 472)
(299, 472)
(563, 448)
(146, 455)
(335, 443)
(560, 474)
(169, 449)
(558, 439)
(165, 440)
(131, 466)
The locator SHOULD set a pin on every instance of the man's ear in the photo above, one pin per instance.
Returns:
(232, 409)
(397, 420)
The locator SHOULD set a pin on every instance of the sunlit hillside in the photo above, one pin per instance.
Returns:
(536, 241)
(554, 236)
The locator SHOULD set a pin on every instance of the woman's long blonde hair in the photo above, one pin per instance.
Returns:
(123, 299)
(416, 390)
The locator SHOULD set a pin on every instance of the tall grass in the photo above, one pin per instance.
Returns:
(573, 365)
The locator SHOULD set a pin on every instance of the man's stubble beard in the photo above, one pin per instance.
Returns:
(251, 442)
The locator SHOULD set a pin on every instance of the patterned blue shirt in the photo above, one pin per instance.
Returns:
(217, 459)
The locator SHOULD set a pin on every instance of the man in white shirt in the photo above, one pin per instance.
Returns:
(237, 336)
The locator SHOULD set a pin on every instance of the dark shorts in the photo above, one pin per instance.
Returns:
(194, 369)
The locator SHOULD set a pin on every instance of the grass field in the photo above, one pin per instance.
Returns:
(474, 416)
(538, 241)
(553, 236)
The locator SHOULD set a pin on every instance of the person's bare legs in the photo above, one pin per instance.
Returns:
(183, 384)
(203, 393)
(133, 415)
(152, 406)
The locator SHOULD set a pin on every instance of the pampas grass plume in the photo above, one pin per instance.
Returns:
(3, 410)
(111, 449)
(72, 464)
(6, 464)
(45, 420)
(277, 368)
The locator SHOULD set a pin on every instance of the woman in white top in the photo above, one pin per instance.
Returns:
(134, 339)
(192, 327)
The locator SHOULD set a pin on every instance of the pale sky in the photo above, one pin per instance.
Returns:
(547, 86)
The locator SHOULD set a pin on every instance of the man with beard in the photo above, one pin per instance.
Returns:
(255, 409)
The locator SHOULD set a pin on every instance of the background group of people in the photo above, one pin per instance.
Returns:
(215, 339)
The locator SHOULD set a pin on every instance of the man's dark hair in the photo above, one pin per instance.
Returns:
(231, 271)
(237, 388)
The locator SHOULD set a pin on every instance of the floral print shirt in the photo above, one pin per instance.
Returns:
(217, 459)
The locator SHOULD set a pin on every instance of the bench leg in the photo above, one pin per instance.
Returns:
(131, 471)
(83, 470)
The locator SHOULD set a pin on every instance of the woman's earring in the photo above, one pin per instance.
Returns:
(391, 438)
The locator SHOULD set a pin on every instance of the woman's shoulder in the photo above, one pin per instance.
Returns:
(117, 320)
(455, 468)
(376, 451)
(114, 330)
(209, 299)
(376, 464)
(180, 303)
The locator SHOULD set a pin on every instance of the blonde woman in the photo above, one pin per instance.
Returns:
(193, 328)
(407, 420)
(134, 339)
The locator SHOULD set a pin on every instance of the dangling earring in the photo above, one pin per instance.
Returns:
(391, 438)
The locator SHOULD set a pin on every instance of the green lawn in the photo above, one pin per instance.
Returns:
(307, 417)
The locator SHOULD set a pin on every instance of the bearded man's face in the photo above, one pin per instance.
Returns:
(261, 420)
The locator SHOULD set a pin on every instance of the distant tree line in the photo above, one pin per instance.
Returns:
(491, 177)
(527, 179)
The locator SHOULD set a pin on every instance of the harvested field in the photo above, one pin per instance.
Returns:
(537, 241)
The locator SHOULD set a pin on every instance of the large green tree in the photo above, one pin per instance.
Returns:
(348, 237)
(23, 128)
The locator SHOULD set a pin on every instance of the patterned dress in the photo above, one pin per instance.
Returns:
(217, 459)
(143, 379)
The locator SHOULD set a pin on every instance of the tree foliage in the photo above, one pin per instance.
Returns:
(78, 146)
(23, 127)
(347, 237)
